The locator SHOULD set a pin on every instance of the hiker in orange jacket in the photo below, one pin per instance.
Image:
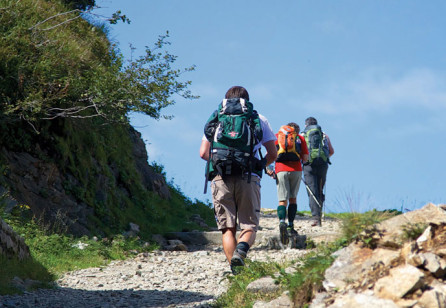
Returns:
(288, 169)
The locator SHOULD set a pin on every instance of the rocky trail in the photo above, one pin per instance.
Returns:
(192, 278)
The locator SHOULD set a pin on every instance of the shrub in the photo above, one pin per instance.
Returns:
(54, 63)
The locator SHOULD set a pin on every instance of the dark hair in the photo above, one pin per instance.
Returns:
(237, 92)
(295, 126)
(310, 121)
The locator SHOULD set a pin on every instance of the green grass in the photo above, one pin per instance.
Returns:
(309, 274)
(412, 231)
(362, 227)
(54, 254)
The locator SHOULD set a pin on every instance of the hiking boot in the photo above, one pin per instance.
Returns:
(291, 232)
(237, 262)
(283, 233)
(316, 222)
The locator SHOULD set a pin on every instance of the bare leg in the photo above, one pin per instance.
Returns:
(248, 236)
(229, 242)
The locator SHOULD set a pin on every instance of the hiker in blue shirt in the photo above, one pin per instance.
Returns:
(233, 137)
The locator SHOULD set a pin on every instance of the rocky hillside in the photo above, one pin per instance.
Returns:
(400, 267)
(69, 157)
(53, 192)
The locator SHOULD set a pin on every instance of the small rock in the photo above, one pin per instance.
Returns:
(283, 301)
(263, 285)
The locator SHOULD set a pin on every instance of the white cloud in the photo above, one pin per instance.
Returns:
(376, 90)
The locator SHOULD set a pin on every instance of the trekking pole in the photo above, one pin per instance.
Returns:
(312, 194)
(321, 193)
(206, 177)
(207, 170)
(323, 203)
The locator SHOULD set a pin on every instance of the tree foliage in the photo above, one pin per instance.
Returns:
(80, 4)
(54, 63)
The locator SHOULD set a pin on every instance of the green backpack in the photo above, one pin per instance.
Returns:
(317, 145)
(233, 130)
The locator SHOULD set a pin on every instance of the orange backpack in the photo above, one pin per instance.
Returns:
(288, 144)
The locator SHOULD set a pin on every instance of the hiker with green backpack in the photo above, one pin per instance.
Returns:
(315, 169)
(231, 144)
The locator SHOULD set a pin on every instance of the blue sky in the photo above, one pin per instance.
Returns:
(373, 73)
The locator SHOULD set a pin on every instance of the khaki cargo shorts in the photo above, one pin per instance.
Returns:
(233, 196)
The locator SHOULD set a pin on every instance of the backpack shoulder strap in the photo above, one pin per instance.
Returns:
(210, 126)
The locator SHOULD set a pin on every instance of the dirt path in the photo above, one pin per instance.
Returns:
(164, 278)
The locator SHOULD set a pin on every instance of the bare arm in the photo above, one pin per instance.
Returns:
(330, 147)
(204, 149)
(271, 152)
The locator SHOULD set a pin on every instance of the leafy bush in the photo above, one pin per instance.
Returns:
(60, 74)
(53, 63)
(80, 4)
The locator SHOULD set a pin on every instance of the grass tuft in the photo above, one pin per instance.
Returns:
(237, 296)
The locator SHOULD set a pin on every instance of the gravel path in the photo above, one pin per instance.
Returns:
(161, 278)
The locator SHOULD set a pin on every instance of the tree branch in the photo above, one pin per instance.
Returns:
(71, 112)
(64, 22)
(30, 123)
(52, 17)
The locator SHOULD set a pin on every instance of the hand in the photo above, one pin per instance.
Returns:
(272, 174)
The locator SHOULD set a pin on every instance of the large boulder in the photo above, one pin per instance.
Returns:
(11, 244)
